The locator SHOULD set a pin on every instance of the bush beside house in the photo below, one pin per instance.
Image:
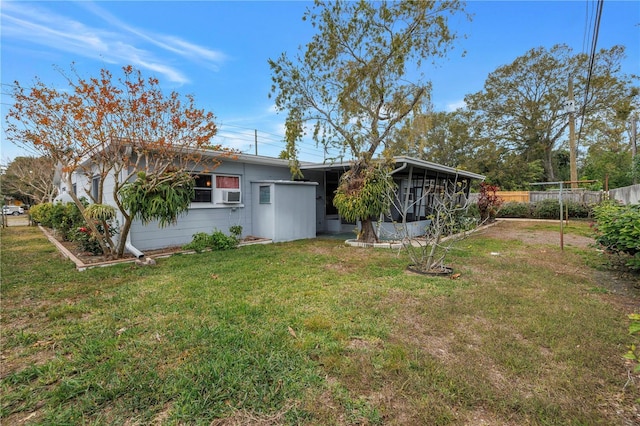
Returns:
(68, 223)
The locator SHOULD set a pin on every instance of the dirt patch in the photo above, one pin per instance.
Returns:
(521, 230)
(623, 287)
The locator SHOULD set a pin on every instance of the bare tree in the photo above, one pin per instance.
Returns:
(30, 179)
(448, 204)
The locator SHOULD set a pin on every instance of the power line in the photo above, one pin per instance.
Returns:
(592, 60)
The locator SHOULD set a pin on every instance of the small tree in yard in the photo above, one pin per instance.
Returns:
(448, 204)
(104, 127)
(353, 84)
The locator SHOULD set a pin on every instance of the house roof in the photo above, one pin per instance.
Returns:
(401, 163)
(251, 159)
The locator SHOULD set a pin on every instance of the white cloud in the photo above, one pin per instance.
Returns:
(453, 106)
(119, 43)
(169, 43)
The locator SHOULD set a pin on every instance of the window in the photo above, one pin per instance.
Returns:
(228, 189)
(74, 188)
(265, 194)
(217, 189)
(95, 187)
(203, 189)
(227, 182)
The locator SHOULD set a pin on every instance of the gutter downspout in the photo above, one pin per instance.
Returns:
(127, 244)
(404, 166)
(130, 247)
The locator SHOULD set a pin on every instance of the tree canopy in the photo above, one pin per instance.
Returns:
(30, 179)
(106, 126)
(358, 78)
(522, 105)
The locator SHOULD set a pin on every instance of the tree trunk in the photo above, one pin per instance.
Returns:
(124, 232)
(548, 164)
(368, 232)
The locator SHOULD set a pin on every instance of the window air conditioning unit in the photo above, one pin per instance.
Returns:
(230, 196)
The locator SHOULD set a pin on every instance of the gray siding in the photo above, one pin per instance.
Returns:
(205, 217)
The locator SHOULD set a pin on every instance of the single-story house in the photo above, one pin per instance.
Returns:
(257, 193)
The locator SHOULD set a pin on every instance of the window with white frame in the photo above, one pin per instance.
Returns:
(217, 189)
(227, 189)
(203, 189)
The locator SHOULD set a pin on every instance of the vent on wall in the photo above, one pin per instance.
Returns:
(230, 196)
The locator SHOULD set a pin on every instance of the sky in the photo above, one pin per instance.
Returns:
(218, 51)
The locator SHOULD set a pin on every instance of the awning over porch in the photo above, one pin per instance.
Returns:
(416, 180)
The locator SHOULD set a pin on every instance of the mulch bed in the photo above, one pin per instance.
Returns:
(85, 259)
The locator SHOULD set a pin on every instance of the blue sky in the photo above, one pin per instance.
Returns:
(218, 50)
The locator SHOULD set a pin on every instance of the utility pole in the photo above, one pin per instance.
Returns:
(634, 146)
(572, 136)
(256, 140)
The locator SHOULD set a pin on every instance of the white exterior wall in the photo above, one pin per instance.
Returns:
(289, 215)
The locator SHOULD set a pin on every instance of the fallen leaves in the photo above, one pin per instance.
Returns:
(292, 332)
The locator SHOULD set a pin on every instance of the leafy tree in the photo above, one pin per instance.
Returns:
(358, 78)
(522, 104)
(611, 165)
(457, 140)
(30, 179)
(103, 126)
(440, 137)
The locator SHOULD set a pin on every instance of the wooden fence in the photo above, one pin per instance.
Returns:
(514, 196)
(579, 196)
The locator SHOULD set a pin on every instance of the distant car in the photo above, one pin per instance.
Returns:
(13, 210)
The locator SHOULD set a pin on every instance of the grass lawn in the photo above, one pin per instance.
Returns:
(318, 333)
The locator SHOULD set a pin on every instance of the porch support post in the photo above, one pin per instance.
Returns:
(406, 195)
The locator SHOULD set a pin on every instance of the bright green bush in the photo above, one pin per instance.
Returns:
(617, 230)
(62, 217)
(66, 217)
(217, 240)
(41, 213)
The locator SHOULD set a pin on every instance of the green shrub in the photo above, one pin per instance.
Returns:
(473, 211)
(41, 213)
(547, 209)
(579, 210)
(221, 241)
(200, 242)
(217, 240)
(617, 230)
(62, 217)
(515, 209)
